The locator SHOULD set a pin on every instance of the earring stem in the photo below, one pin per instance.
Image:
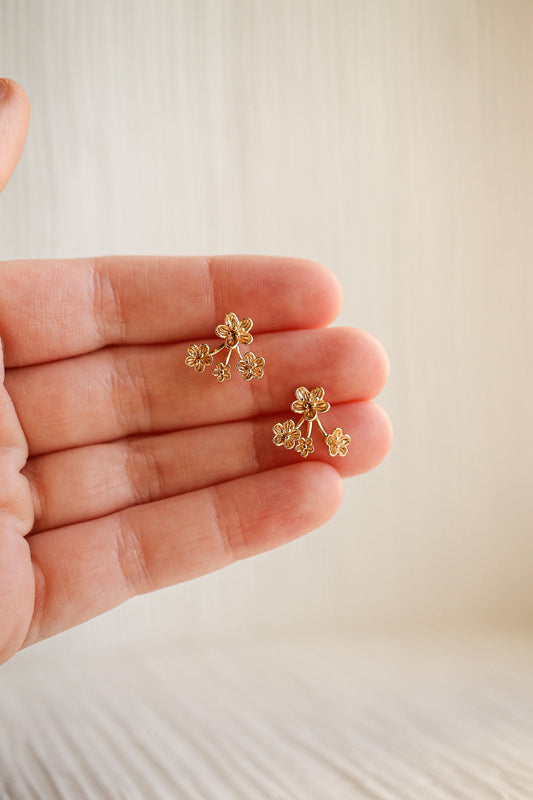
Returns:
(324, 434)
(218, 349)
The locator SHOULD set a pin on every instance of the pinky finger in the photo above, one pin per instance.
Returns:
(85, 569)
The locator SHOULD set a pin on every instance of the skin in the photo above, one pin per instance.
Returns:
(124, 471)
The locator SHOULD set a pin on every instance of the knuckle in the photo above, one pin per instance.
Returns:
(130, 395)
(228, 524)
(131, 557)
(144, 472)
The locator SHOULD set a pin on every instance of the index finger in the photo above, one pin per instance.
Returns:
(57, 309)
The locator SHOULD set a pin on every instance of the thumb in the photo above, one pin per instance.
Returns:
(14, 122)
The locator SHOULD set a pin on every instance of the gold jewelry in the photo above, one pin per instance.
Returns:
(234, 332)
(309, 404)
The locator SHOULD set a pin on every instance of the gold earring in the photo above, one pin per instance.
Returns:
(309, 404)
(235, 332)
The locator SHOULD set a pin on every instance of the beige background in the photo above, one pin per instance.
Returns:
(389, 139)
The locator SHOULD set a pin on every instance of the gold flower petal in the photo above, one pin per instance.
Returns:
(316, 394)
(246, 324)
(279, 436)
(302, 394)
(321, 406)
(244, 337)
(222, 331)
(232, 321)
(298, 406)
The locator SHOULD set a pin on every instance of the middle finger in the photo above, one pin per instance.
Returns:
(121, 391)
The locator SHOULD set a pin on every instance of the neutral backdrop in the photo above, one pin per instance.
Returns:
(389, 139)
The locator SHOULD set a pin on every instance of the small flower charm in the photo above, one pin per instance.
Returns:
(222, 372)
(286, 434)
(309, 404)
(199, 357)
(305, 446)
(234, 332)
(338, 442)
(251, 366)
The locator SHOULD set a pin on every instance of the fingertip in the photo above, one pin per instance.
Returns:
(321, 490)
(14, 123)
(375, 436)
(386, 428)
(325, 289)
(371, 359)
(16, 93)
(383, 361)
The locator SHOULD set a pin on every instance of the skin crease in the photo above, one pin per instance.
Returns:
(122, 470)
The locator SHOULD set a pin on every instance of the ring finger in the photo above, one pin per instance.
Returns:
(102, 479)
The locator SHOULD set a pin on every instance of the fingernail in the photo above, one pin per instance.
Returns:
(3, 88)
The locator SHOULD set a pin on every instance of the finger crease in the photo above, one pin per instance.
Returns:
(145, 473)
(227, 525)
(108, 310)
(128, 387)
(131, 557)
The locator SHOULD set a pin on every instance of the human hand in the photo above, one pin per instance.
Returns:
(124, 471)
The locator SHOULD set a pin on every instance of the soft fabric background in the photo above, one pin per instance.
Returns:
(389, 139)
(392, 140)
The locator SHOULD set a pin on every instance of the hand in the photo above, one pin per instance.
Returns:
(123, 470)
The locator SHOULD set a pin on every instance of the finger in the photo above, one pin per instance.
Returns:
(16, 519)
(102, 479)
(123, 391)
(85, 569)
(14, 123)
(55, 309)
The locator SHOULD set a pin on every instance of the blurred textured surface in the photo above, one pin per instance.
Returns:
(417, 720)
(390, 139)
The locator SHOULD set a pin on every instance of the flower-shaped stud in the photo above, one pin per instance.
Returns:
(251, 366)
(286, 434)
(337, 443)
(309, 404)
(199, 357)
(234, 332)
(222, 372)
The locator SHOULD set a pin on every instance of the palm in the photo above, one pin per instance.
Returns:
(124, 471)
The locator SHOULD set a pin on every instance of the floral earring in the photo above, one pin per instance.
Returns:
(309, 404)
(234, 332)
